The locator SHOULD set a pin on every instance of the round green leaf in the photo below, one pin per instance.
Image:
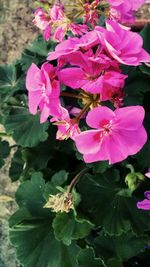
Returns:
(37, 247)
(87, 258)
(67, 227)
(25, 128)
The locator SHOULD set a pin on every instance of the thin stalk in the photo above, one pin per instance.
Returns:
(76, 179)
(70, 95)
(85, 108)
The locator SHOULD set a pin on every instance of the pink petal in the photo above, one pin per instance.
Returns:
(129, 118)
(94, 86)
(45, 112)
(102, 154)
(88, 141)
(73, 77)
(99, 115)
(147, 194)
(34, 99)
(33, 79)
(147, 174)
(123, 143)
(144, 205)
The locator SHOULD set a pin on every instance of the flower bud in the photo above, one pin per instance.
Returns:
(133, 180)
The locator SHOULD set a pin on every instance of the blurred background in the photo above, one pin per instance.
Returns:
(16, 31)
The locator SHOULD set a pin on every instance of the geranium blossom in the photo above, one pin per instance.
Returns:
(113, 137)
(43, 90)
(123, 45)
(55, 23)
(90, 75)
(145, 204)
(67, 127)
(74, 44)
(123, 10)
(42, 21)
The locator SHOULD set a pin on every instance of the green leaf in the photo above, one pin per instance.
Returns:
(100, 167)
(36, 246)
(145, 69)
(106, 204)
(4, 151)
(8, 81)
(25, 128)
(145, 33)
(40, 46)
(30, 195)
(44, 152)
(67, 227)
(58, 179)
(86, 258)
(119, 248)
(16, 167)
(137, 85)
(31, 230)
(143, 157)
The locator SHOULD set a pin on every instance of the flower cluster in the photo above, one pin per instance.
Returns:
(88, 66)
(57, 20)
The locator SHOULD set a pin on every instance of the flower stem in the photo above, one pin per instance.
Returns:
(76, 179)
(130, 167)
(70, 95)
(85, 108)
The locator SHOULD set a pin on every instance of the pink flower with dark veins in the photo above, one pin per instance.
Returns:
(113, 136)
(43, 90)
(123, 45)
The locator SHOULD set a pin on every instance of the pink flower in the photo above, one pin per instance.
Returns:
(123, 45)
(42, 21)
(113, 136)
(74, 44)
(43, 90)
(124, 11)
(67, 127)
(55, 24)
(61, 24)
(145, 204)
(91, 12)
(113, 93)
(90, 75)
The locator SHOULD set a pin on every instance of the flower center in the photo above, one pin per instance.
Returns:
(106, 126)
(94, 99)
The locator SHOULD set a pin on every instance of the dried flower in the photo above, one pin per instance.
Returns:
(62, 202)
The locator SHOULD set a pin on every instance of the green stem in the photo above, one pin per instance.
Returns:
(130, 167)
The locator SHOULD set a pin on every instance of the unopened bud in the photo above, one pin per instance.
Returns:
(133, 180)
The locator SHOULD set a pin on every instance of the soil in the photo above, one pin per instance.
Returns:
(16, 28)
(16, 31)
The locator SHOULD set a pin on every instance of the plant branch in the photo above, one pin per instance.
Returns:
(76, 179)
